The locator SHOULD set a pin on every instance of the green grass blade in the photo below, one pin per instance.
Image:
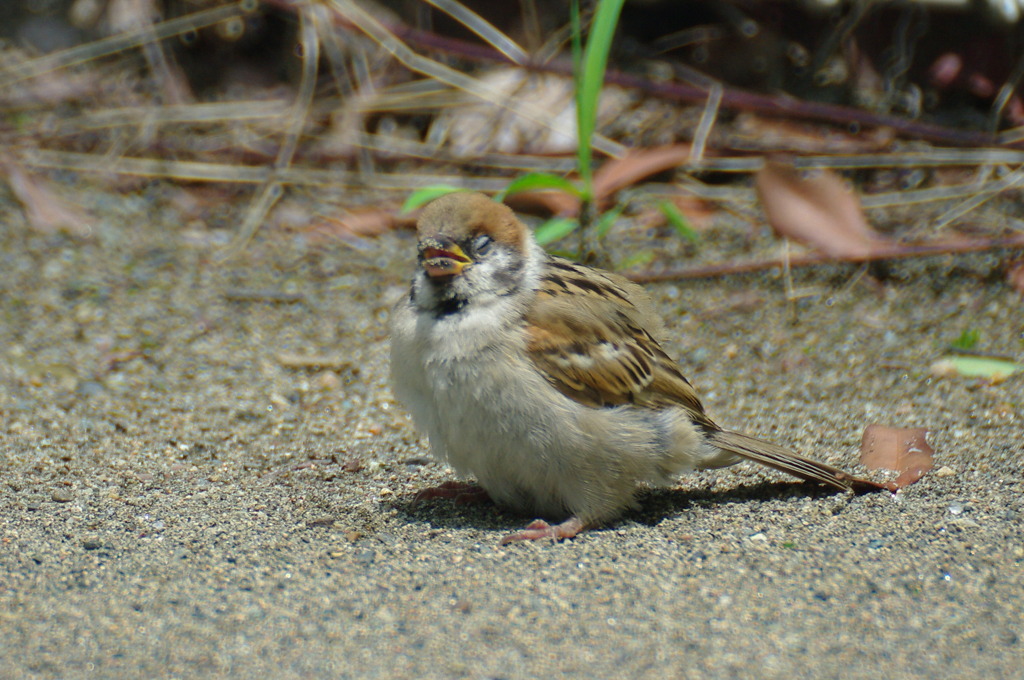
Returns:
(641, 257)
(968, 339)
(678, 221)
(421, 197)
(540, 181)
(588, 93)
(605, 222)
(554, 230)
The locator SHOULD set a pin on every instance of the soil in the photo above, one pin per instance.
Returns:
(203, 473)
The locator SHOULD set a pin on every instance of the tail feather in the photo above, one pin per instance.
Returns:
(784, 460)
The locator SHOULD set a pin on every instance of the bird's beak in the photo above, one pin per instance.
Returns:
(442, 258)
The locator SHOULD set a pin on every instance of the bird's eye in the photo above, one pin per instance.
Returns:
(482, 243)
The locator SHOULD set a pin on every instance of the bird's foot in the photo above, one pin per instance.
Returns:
(539, 529)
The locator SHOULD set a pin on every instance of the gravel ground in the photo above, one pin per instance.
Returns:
(204, 474)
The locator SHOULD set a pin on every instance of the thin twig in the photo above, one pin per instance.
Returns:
(707, 121)
(11, 74)
(198, 171)
(347, 11)
(732, 98)
(895, 251)
(309, 37)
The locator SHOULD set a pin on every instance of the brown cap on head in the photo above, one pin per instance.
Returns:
(462, 215)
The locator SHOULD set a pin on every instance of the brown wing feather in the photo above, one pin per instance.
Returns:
(587, 334)
(780, 458)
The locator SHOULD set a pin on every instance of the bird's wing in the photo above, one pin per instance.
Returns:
(587, 333)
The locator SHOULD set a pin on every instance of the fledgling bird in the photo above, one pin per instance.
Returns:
(544, 379)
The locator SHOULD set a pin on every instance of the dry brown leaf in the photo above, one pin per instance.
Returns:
(551, 202)
(45, 211)
(905, 450)
(819, 210)
(619, 173)
(355, 226)
(614, 175)
(1015, 276)
(361, 222)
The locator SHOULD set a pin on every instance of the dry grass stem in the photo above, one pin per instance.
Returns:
(707, 121)
(396, 103)
(198, 171)
(213, 112)
(445, 74)
(476, 23)
(430, 152)
(14, 73)
(986, 192)
(309, 40)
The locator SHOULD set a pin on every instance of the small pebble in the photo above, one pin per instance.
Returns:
(63, 495)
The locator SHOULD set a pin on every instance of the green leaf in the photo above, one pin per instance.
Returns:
(637, 258)
(981, 367)
(555, 229)
(589, 84)
(968, 339)
(605, 222)
(582, 148)
(678, 221)
(540, 181)
(421, 197)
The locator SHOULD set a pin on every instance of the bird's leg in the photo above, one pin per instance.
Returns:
(539, 529)
(463, 493)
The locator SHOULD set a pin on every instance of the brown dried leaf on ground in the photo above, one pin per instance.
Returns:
(637, 164)
(355, 225)
(548, 202)
(613, 175)
(818, 209)
(904, 450)
(1015, 276)
(45, 211)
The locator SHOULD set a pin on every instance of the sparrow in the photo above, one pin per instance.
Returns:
(545, 380)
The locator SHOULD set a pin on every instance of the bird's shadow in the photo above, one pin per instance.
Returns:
(652, 506)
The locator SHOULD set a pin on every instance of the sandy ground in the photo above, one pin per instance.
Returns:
(181, 497)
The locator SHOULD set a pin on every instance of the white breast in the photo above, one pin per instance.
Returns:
(489, 413)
